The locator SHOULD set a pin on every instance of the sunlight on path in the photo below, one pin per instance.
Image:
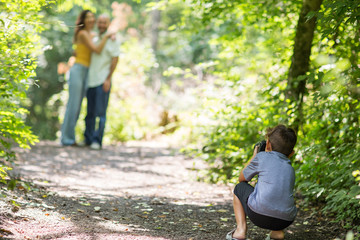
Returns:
(143, 169)
(122, 192)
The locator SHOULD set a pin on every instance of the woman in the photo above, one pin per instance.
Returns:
(78, 73)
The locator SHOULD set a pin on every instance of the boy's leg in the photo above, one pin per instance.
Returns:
(240, 218)
(241, 193)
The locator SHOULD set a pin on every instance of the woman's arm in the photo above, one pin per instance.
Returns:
(86, 38)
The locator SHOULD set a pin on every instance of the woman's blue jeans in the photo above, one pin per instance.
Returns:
(77, 89)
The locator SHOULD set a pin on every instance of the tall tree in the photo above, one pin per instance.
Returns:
(300, 60)
(154, 29)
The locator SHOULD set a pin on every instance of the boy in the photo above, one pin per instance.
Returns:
(270, 204)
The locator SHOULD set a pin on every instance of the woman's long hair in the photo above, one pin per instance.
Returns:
(80, 23)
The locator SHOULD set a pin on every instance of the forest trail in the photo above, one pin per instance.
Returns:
(142, 190)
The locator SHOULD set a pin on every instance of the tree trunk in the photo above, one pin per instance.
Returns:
(154, 38)
(300, 60)
(155, 22)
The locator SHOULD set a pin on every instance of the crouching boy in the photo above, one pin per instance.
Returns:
(270, 204)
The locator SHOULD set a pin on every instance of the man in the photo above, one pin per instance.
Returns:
(101, 69)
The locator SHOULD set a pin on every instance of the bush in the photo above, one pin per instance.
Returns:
(19, 27)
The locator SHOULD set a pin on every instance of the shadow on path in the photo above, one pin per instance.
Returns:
(126, 192)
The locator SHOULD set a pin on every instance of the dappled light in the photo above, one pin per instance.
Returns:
(134, 119)
(134, 191)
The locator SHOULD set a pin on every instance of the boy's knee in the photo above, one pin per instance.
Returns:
(243, 188)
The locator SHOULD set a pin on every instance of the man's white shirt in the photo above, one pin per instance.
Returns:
(100, 63)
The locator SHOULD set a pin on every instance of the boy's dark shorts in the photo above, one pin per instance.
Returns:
(242, 191)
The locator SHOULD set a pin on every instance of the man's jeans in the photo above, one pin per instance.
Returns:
(77, 88)
(96, 107)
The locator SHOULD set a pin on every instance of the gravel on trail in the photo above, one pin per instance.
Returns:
(138, 190)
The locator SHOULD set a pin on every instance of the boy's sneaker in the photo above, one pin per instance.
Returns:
(95, 146)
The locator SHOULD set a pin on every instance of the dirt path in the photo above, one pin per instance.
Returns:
(139, 191)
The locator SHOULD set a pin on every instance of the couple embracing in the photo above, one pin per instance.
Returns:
(96, 57)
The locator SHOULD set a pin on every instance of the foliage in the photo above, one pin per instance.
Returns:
(47, 98)
(20, 23)
(332, 143)
(236, 54)
(242, 110)
(249, 96)
(130, 112)
(336, 186)
(42, 104)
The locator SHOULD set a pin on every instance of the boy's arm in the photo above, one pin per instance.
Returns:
(242, 177)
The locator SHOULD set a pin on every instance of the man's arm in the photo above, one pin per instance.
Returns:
(242, 177)
(107, 83)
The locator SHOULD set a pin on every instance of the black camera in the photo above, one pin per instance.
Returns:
(261, 145)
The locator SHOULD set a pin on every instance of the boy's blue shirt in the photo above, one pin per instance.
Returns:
(273, 193)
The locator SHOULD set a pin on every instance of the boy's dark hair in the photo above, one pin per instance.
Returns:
(282, 139)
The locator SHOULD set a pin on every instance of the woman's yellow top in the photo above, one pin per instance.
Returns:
(83, 54)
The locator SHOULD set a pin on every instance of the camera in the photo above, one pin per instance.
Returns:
(261, 145)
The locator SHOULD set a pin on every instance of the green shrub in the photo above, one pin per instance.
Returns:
(19, 28)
